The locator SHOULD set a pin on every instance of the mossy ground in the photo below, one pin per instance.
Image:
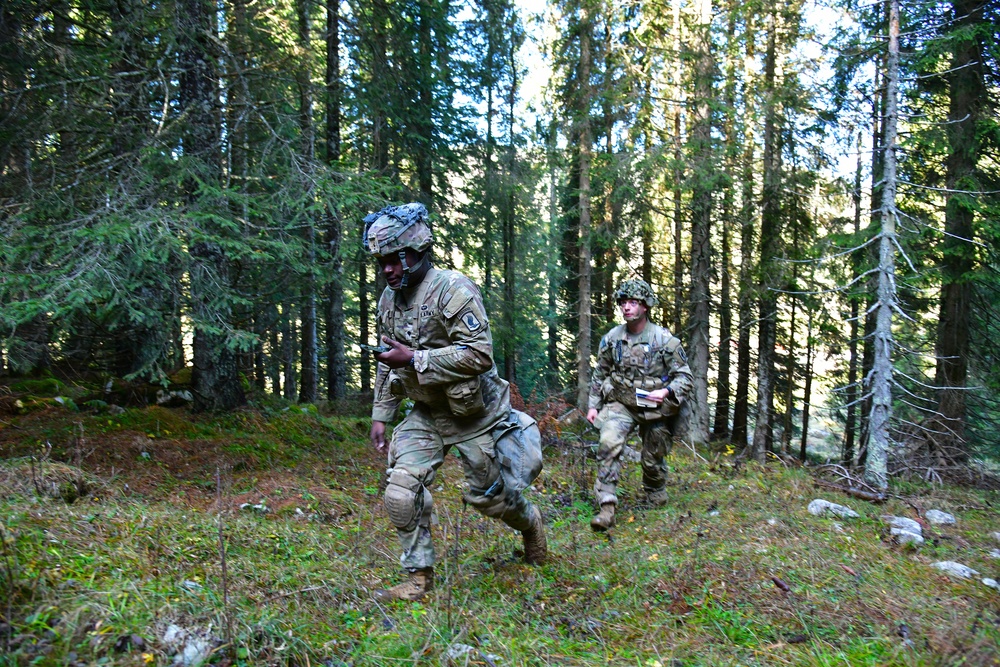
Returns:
(111, 533)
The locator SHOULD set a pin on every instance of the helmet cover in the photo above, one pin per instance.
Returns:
(638, 290)
(397, 227)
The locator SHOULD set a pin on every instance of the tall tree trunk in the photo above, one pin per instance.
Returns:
(701, 224)
(678, 175)
(807, 389)
(583, 313)
(425, 126)
(336, 359)
(510, 228)
(551, 264)
(786, 426)
(852, 393)
(215, 376)
(380, 164)
(879, 106)
(967, 99)
(720, 422)
(309, 381)
(770, 240)
(741, 404)
(288, 351)
(876, 465)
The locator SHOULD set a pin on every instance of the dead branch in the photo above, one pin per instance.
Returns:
(870, 496)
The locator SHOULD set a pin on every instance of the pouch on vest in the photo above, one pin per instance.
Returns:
(465, 398)
(518, 444)
(396, 387)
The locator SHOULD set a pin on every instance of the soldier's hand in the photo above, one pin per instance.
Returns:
(591, 415)
(658, 395)
(398, 357)
(378, 436)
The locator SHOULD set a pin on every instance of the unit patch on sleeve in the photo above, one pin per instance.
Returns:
(471, 321)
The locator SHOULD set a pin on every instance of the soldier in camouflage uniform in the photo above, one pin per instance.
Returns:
(440, 356)
(635, 357)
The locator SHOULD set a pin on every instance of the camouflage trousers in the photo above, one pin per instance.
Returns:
(415, 454)
(615, 421)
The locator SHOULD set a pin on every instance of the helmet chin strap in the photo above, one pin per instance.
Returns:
(407, 269)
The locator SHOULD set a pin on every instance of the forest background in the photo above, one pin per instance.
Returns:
(184, 183)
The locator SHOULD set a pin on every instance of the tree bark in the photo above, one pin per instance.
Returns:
(215, 375)
(967, 99)
(309, 378)
(852, 393)
(701, 225)
(584, 268)
(770, 240)
(876, 465)
(336, 359)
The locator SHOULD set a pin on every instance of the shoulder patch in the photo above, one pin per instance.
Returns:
(471, 321)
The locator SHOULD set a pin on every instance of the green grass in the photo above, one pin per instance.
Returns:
(672, 586)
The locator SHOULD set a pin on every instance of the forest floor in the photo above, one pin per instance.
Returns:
(112, 527)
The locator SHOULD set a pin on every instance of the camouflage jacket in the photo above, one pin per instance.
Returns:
(650, 360)
(444, 321)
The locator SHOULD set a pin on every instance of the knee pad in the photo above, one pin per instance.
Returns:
(404, 499)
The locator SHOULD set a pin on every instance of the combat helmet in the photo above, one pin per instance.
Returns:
(396, 228)
(638, 290)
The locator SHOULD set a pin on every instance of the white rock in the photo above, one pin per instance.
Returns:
(195, 652)
(907, 537)
(174, 634)
(996, 536)
(903, 523)
(994, 553)
(456, 650)
(956, 569)
(939, 518)
(992, 583)
(821, 507)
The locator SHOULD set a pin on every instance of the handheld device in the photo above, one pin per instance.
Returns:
(643, 400)
(374, 349)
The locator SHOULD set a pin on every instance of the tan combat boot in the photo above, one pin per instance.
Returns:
(605, 519)
(535, 547)
(414, 588)
(657, 498)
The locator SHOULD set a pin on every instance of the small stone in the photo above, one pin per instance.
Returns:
(996, 536)
(904, 523)
(956, 569)
(906, 537)
(992, 583)
(820, 507)
(457, 650)
(939, 518)
(994, 553)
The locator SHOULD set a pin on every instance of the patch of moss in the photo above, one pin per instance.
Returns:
(41, 387)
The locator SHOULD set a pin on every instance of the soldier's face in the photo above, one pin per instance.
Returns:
(392, 267)
(632, 309)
